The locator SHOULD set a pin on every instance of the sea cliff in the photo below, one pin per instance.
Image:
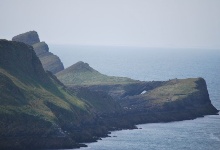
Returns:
(49, 61)
(38, 111)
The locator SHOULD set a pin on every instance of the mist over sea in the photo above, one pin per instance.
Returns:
(149, 64)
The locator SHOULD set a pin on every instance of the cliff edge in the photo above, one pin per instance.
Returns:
(49, 61)
(37, 111)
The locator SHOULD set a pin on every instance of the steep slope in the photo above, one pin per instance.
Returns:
(49, 61)
(82, 74)
(36, 110)
(103, 103)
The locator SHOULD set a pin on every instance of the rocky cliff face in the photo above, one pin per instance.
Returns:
(38, 112)
(20, 60)
(40, 48)
(29, 38)
(159, 95)
(49, 61)
(188, 96)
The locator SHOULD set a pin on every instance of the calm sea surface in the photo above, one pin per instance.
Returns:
(155, 64)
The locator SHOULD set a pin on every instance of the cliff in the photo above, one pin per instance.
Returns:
(20, 60)
(188, 98)
(49, 61)
(174, 95)
(36, 110)
(29, 38)
(82, 74)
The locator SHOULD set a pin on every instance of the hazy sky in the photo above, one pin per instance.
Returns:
(144, 23)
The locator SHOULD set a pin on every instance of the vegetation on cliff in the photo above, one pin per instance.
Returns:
(174, 95)
(37, 111)
(82, 74)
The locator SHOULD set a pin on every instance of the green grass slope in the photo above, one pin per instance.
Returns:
(36, 111)
(82, 74)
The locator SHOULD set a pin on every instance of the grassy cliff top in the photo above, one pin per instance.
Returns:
(82, 74)
(173, 90)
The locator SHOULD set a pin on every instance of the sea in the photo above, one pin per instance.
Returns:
(155, 64)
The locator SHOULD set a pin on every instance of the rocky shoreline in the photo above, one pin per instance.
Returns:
(129, 122)
(38, 111)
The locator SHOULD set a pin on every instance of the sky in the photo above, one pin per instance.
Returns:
(136, 23)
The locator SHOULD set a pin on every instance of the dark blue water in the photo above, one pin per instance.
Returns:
(156, 64)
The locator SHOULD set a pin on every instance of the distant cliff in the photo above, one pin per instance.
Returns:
(187, 97)
(140, 96)
(29, 38)
(49, 61)
(82, 74)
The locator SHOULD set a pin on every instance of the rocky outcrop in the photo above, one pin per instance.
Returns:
(102, 101)
(20, 59)
(119, 91)
(49, 61)
(40, 48)
(29, 38)
(177, 95)
(172, 96)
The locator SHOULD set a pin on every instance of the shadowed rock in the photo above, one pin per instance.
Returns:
(49, 61)
(40, 48)
(29, 38)
(177, 95)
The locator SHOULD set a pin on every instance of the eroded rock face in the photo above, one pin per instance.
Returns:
(29, 38)
(40, 48)
(177, 95)
(23, 56)
(49, 61)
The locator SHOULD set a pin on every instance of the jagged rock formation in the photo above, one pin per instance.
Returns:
(82, 74)
(49, 61)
